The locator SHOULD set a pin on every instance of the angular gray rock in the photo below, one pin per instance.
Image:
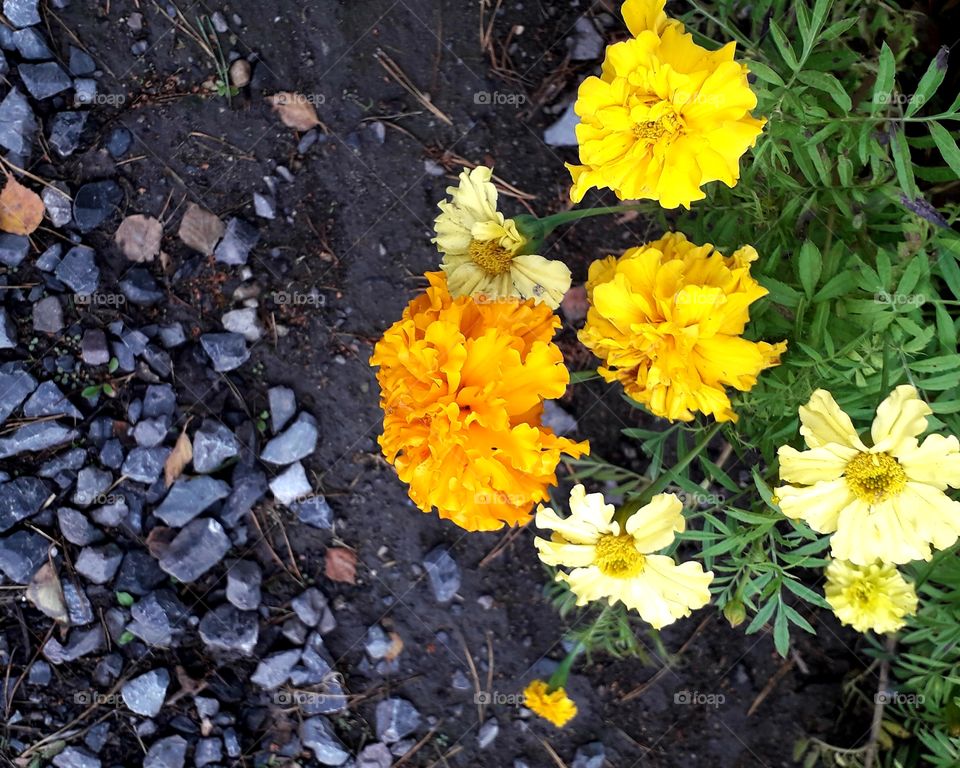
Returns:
(92, 484)
(21, 498)
(226, 351)
(14, 389)
(283, 405)
(274, 670)
(297, 442)
(443, 573)
(8, 330)
(317, 735)
(145, 464)
(170, 752)
(44, 80)
(314, 511)
(22, 13)
(35, 436)
(230, 630)
(74, 757)
(49, 400)
(17, 123)
(238, 240)
(395, 719)
(243, 585)
(195, 550)
(291, 485)
(213, 444)
(78, 269)
(590, 755)
(21, 555)
(188, 497)
(48, 315)
(99, 564)
(145, 694)
(13, 249)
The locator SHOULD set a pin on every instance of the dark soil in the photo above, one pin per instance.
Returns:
(355, 225)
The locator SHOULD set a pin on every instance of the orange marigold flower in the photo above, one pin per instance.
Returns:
(462, 385)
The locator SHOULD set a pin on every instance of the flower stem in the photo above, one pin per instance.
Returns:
(664, 480)
(534, 230)
(559, 677)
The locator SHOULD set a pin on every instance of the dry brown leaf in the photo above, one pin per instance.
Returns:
(295, 110)
(396, 647)
(139, 237)
(21, 209)
(45, 592)
(341, 565)
(180, 456)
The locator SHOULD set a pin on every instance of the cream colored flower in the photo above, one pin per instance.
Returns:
(481, 249)
(871, 597)
(614, 563)
(886, 502)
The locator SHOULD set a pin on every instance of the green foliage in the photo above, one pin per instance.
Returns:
(846, 199)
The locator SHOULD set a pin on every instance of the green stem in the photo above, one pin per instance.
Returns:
(559, 677)
(664, 480)
(535, 230)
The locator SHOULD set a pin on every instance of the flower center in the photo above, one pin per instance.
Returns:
(617, 556)
(653, 130)
(490, 256)
(875, 477)
(861, 594)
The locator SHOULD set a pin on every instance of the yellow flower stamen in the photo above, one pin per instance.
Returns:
(875, 477)
(653, 130)
(617, 556)
(490, 256)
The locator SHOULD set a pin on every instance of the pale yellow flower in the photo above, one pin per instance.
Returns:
(870, 597)
(615, 563)
(482, 250)
(885, 502)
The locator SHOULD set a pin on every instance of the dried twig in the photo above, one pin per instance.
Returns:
(393, 69)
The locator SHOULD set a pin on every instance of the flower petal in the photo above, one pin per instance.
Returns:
(900, 419)
(655, 525)
(816, 465)
(818, 505)
(822, 421)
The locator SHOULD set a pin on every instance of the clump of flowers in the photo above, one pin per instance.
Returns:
(667, 320)
(665, 117)
(615, 561)
(885, 502)
(552, 704)
(870, 597)
(483, 252)
(462, 390)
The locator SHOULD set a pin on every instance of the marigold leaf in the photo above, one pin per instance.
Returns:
(947, 146)
(929, 83)
(883, 86)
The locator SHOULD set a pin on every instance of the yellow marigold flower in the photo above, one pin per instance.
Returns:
(482, 250)
(886, 502)
(462, 390)
(554, 706)
(869, 597)
(666, 320)
(665, 117)
(615, 563)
